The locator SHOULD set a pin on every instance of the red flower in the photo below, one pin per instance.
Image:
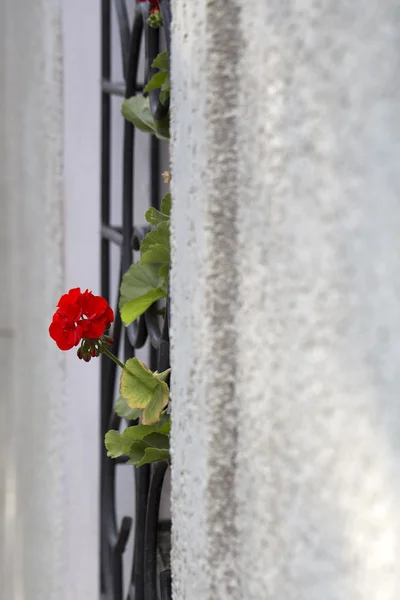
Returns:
(154, 3)
(156, 6)
(79, 316)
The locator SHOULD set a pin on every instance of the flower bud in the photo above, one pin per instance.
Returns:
(93, 351)
(155, 19)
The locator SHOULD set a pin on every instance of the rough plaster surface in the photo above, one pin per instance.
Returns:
(32, 549)
(204, 339)
(286, 301)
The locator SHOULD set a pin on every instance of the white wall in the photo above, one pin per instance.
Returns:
(32, 398)
(50, 242)
(81, 86)
(286, 291)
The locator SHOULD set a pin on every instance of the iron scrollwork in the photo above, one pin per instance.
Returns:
(147, 581)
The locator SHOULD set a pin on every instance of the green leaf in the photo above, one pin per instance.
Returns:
(134, 440)
(155, 246)
(123, 410)
(166, 203)
(116, 444)
(157, 440)
(138, 383)
(157, 81)
(160, 235)
(165, 90)
(153, 455)
(164, 97)
(156, 254)
(119, 444)
(157, 403)
(141, 286)
(154, 216)
(139, 432)
(136, 452)
(162, 129)
(163, 425)
(153, 448)
(142, 278)
(145, 390)
(136, 110)
(163, 375)
(163, 274)
(166, 86)
(161, 61)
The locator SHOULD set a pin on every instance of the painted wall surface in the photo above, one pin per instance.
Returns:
(81, 206)
(49, 242)
(33, 519)
(286, 301)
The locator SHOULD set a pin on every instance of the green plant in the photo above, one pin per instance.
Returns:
(82, 318)
(145, 394)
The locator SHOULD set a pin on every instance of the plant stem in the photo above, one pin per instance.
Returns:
(113, 357)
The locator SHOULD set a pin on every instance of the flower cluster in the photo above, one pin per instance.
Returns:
(91, 348)
(81, 317)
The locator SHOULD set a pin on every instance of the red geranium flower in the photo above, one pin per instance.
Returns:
(154, 3)
(79, 316)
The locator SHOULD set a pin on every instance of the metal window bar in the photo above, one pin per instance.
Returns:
(145, 581)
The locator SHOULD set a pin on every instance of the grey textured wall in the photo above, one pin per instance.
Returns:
(286, 300)
(33, 551)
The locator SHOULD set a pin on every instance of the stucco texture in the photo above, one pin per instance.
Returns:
(286, 300)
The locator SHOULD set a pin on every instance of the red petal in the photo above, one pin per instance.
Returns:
(71, 298)
(109, 316)
(92, 306)
(72, 312)
(93, 328)
(69, 304)
(64, 332)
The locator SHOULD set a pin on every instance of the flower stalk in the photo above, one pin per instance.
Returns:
(113, 358)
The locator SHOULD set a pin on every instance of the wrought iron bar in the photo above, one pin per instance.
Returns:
(145, 581)
(152, 509)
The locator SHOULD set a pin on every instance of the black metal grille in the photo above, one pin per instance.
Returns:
(146, 581)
